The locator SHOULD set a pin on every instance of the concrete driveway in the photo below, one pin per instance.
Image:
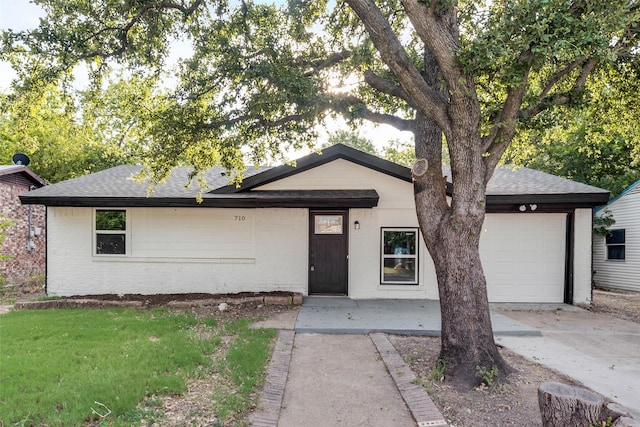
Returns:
(598, 350)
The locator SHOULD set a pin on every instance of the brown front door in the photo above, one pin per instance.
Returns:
(328, 263)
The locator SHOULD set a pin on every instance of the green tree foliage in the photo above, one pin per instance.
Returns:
(395, 151)
(597, 143)
(352, 139)
(400, 152)
(68, 135)
(467, 73)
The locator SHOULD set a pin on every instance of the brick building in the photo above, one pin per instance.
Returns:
(25, 241)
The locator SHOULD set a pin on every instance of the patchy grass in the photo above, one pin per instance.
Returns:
(70, 367)
(243, 367)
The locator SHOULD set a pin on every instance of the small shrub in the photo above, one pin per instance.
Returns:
(438, 371)
(606, 423)
(489, 377)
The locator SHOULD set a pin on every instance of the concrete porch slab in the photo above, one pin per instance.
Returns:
(343, 315)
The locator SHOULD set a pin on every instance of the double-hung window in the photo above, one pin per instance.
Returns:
(110, 232)
(615, 244)
(399, 256)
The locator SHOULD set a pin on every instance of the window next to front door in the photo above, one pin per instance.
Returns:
(399, 256)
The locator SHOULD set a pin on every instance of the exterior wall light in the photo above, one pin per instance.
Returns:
(356, 225)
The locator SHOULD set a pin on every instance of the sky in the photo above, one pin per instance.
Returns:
(22, 15)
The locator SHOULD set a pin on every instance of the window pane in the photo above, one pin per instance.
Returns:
(328, 224)
(615, 252)
(399, 270)
(615, 236)
(111, 220)
(112, 244)
(399, 242)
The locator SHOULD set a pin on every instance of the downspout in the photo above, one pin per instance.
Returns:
(30, 244)
(569, 254)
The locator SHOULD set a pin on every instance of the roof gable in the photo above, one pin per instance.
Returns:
(329, 154)
(26, 174)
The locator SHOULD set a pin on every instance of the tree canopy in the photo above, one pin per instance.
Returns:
(262, 75)
(597, 143)
(72, 134)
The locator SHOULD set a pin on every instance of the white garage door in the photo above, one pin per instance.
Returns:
(523, 256)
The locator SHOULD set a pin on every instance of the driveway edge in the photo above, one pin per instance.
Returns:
(422, 408)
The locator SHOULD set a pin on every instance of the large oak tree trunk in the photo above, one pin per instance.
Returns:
(452, 236)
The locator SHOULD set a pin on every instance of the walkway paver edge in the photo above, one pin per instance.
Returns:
(275, 382)
(422, 408)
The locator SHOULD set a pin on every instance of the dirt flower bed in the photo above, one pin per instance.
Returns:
(514, 403)
(621, 304)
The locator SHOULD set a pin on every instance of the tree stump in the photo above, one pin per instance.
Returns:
(562, 405)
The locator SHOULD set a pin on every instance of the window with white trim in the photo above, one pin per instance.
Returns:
(616, 244)
(110, 232)
(399, 256)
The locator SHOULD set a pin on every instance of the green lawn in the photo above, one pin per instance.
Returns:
(59, 366)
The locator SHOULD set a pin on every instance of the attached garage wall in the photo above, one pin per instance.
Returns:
(524, 257)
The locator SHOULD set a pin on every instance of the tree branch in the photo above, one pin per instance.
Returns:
(385, 86)
(332, 60)
(348, 106)
(555, 79)
(547, 102)
(364, 112)
(504, 127)
(421, 95)
(438, 31)
(123, 32)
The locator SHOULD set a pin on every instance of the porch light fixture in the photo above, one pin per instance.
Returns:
(356, 225)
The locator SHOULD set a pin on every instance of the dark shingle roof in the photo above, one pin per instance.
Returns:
(119, 182)
(514, 180)
(116, 187)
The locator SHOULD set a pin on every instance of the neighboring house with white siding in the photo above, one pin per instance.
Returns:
(616, 257)
(339, 223)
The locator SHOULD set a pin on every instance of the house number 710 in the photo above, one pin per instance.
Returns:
(240, 218)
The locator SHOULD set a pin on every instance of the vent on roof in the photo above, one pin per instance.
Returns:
(21, 159)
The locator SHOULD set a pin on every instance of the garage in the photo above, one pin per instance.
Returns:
(524, 257)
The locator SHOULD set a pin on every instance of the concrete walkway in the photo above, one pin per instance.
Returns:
(328, 389)
(328, 376)
(600, 351)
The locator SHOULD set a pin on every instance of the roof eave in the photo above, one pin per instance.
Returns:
(576, 200)
(217, 202)
(26, 171)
